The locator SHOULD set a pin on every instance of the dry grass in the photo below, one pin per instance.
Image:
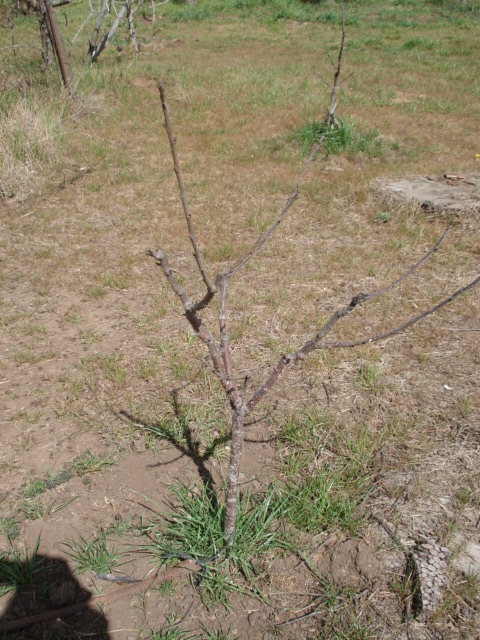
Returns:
(29, 145)
(33, 124)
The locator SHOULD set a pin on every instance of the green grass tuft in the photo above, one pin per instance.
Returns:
(340, 139)
(18, 569)
(95, 555)
(35, 488)
(324, 492)
(90, 463)
(195, 529)
(321, 501)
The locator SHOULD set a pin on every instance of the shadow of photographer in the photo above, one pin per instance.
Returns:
(48, 602)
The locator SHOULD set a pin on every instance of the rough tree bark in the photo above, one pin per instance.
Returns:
(59, 47)
(45, 37)
(219, 351)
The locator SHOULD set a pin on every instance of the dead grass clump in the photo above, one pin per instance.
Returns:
(30, 130)
(91, 105)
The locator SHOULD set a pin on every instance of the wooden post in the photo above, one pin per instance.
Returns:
(60, 48)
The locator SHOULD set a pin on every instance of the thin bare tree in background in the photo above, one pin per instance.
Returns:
(128, 9)
(331, 121)
(241, 398)
(93, 42)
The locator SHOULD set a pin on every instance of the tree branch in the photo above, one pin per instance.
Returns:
(162, 260)
(256, 248)
(199, 328)
(317, 342)
(222, 321)
(401, 327)
(408, 273)
(183, 194)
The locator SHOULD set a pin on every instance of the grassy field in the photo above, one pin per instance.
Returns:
(106, 402)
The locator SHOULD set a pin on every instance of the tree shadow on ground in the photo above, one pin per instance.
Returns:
(183, 435)
(48, 602)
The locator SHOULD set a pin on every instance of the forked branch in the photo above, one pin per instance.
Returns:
(401, 327)
(199, 327)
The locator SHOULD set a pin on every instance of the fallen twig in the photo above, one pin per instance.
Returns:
(292, 620)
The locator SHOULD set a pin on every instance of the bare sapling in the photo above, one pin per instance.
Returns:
(331, 121)
(241, 398)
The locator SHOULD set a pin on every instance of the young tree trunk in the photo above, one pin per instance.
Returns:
(231, 505)
(331, 119)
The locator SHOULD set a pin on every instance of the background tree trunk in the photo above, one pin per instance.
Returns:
(92, 45)
(106, 39)
(40, 11)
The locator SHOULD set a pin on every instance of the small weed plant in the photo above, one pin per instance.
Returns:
(35, 509)
(18, 569)
(35, 488)
(343, 138)
(90, 463)
(96, 555)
